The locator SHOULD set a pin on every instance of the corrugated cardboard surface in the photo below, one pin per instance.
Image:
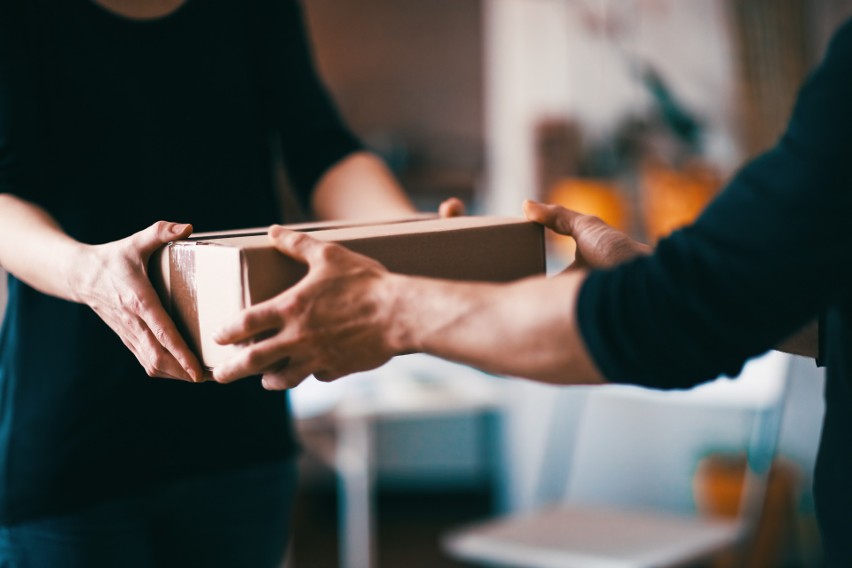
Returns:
(206, 280)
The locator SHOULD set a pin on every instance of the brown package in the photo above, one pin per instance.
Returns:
(208, 279)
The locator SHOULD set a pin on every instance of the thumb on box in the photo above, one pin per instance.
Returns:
(160, 233)
(553, 217)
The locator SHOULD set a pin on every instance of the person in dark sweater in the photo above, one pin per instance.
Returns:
(114, 115)
(770, 255)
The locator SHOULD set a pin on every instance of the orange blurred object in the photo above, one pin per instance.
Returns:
(672, 199)
(591, 197)
(718, 488)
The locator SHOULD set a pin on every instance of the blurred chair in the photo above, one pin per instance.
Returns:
(606, 518)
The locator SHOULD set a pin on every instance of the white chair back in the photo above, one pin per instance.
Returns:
(638, 448)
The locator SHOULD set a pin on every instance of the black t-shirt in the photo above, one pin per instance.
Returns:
(112, 124)
(772, 253)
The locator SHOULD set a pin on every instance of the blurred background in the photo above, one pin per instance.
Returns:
(633, 110)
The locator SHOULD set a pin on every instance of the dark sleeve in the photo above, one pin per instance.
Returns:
(766, 257)
(313, 135)
(20, 173)
(821, 331)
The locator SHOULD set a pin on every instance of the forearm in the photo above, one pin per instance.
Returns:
(35, 249)
(360, 186)
(805, 342)
(525, 329)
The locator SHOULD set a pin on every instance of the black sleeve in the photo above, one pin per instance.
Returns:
(313, 135)
(20, 173)
(821, 331)
(766, 257)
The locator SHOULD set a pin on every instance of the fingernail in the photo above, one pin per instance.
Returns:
(275, 230)
(178, 228)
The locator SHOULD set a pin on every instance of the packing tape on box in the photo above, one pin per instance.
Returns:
(184, 292)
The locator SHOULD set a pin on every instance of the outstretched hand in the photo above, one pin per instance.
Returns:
(330, 324)
(112, 279)
(598, 244)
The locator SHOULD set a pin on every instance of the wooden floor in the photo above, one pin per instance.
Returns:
(409, 527)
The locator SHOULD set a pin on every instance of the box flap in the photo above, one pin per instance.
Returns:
(350, 234)
(312, 226)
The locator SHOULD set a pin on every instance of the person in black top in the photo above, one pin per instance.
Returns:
(771, 255)
(115, 114)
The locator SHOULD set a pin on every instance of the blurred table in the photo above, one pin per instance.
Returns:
(336, 423)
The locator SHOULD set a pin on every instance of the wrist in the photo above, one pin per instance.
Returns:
(78, 269)
(399, 329)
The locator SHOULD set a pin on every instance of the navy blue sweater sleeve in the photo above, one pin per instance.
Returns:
(761, 261)
(313, 135)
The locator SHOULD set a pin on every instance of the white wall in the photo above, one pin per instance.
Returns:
(541, 61)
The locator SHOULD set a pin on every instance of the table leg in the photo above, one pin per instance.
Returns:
(356, 478)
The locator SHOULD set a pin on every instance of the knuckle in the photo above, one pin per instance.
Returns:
(133, 302)
(127, 319)
(296, 303)
(298, 239)
(159, 334)
(275, 383)
(248, 320)
(253, 358)
(161, 226)
(298, 337)
(583, 223)
(159, 362)
(327, 253)
(325, 376)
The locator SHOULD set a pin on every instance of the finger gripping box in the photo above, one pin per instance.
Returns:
(208, 279)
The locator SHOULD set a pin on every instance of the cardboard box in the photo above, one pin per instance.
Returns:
(206, 280)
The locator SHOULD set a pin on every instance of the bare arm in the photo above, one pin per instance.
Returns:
(360, 186)
(30, 240)
(110, 278)
(526, 329)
